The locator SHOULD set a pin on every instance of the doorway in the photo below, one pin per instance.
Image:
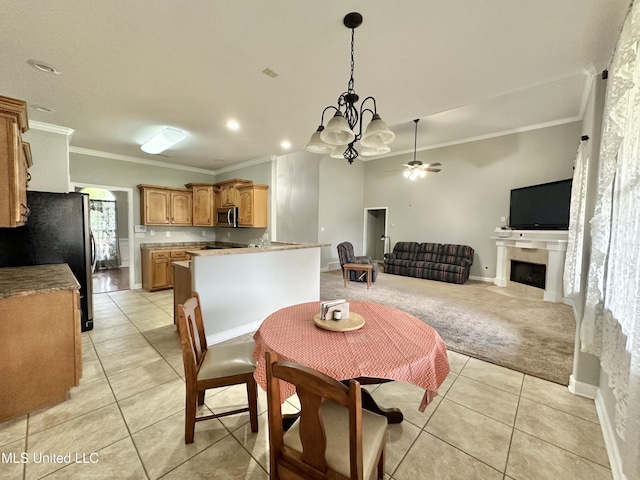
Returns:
(118, 275)
(376, 242)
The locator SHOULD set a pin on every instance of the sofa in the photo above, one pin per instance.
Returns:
(433, 261)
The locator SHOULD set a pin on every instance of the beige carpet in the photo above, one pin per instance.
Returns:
(530, 336)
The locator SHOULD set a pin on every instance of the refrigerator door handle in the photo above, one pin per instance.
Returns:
(93, 251)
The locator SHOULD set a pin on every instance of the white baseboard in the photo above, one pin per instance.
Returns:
(582, 389)
(124, 252)
(137, 286)
(233, 332)
(609, 434)
(324, 269)
(481, 279)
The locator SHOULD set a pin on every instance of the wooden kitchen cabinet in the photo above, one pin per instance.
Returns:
(155, 205)
(228, 191)
(203, 204)
(164, 205)
(15, 160)
(181, 207)
(252, 205)
(160, 272)
(40, 339)
(157, 271)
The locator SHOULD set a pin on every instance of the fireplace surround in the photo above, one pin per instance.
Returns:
(545, 248)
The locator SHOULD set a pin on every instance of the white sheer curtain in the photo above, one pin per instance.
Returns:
(575, 244)
(611, 324)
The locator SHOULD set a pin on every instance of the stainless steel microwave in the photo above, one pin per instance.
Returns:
(227, 217)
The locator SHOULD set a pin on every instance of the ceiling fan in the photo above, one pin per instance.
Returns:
(415, 168)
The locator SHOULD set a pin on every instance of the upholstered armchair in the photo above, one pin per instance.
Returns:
(346, 255)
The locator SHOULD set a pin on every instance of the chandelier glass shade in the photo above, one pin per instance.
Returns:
(345, 127)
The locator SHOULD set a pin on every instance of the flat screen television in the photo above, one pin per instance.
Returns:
(541, 207)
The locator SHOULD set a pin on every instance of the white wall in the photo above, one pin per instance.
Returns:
(341, 208)
(239, 291)
(50, 154)
(298, 187)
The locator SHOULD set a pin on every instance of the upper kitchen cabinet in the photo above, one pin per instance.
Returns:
(252, 205)
(15, 160)
(181, 209)
(228, 191)
(165, 206)
(203, 204)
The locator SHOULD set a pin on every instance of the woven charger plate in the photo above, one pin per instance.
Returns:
(354, 322)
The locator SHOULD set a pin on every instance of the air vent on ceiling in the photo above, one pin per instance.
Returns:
(269, 73)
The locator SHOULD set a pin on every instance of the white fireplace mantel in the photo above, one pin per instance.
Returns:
(554, 241)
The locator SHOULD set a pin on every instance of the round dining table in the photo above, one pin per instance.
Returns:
(391, 345)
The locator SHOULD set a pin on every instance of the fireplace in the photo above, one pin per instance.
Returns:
(545, 249)
(532, 274)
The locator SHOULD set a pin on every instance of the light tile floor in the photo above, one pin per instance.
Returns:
(125, 419)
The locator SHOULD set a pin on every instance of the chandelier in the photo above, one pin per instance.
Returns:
(345, 128)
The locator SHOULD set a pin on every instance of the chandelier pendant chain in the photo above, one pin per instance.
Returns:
(345, 128)
(350, 88)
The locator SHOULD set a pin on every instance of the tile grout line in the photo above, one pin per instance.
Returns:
(513, 428)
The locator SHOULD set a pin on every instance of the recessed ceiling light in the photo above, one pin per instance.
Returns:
(233, 125)
(285, 144)
(43, 67)
(40, 108)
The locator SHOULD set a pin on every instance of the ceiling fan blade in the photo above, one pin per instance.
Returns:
(390, 171)
(434, 164)
(408, 166)
(434, 170)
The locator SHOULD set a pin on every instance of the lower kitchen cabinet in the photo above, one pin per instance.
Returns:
(40, 339)
(157, 272)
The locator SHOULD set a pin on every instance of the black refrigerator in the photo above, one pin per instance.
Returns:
(57, 231)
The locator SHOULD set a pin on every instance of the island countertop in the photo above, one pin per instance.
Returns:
(22, 281)
(271, 247)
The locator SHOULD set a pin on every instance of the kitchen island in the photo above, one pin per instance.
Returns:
(40, 341)
(240, 287)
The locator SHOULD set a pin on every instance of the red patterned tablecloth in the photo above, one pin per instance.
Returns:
(392, 345)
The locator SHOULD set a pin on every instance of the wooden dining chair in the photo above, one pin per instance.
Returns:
(212, 367)
(334, 438)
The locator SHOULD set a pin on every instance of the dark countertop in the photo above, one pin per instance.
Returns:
(186, 245)
(23, 281)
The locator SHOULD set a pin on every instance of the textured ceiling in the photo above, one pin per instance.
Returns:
(467, 69)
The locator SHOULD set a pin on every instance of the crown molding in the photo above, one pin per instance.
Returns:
(502, 133)
(142, 161)
(590, 72)
(47, 127)
(248, 163)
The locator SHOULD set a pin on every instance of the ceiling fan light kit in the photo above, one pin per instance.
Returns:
(415, 168)
(341, 130)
